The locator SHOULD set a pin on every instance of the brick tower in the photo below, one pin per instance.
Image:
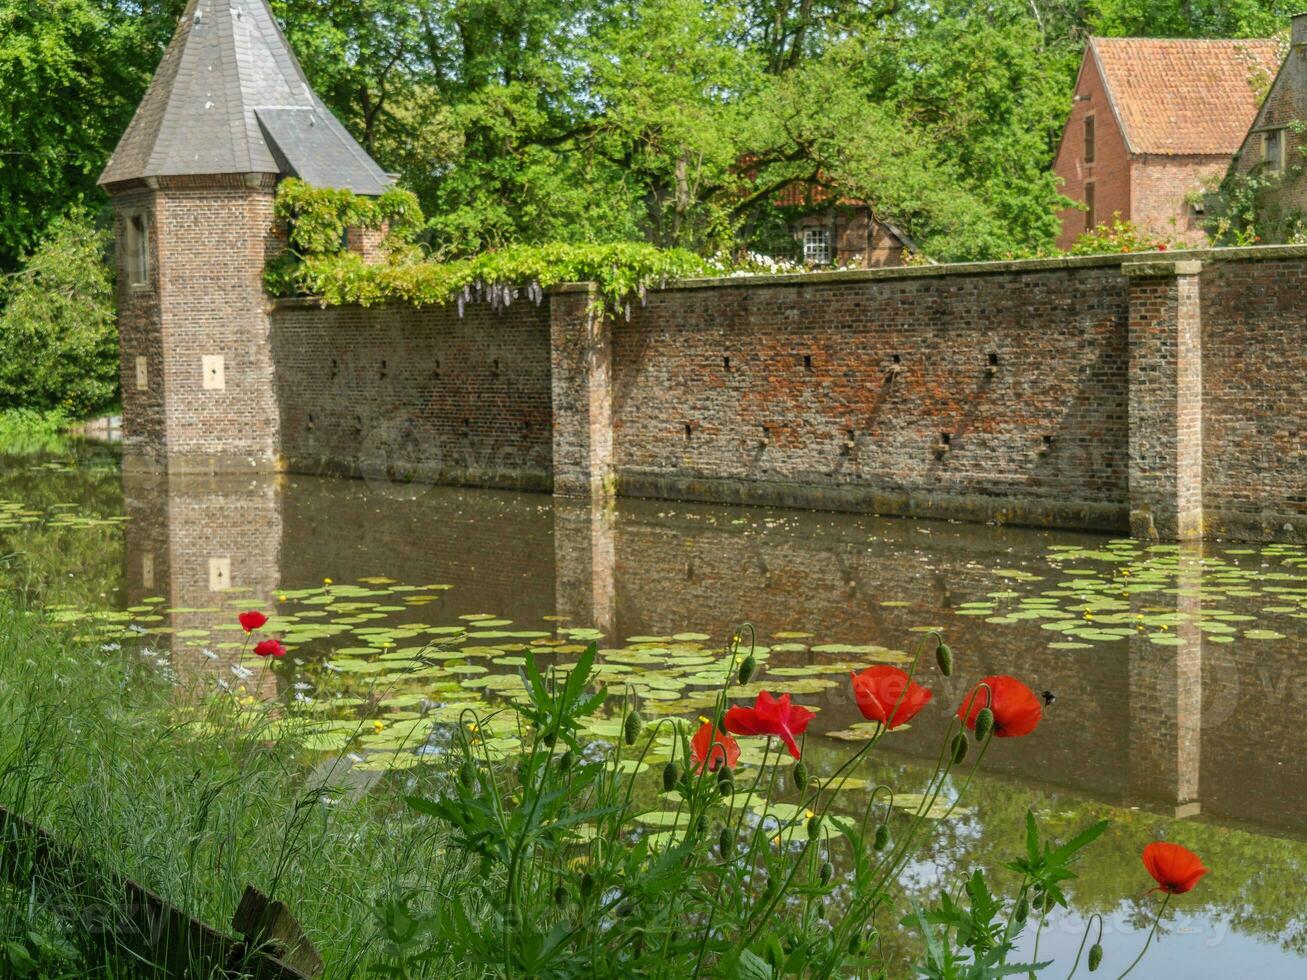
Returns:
(228, 113)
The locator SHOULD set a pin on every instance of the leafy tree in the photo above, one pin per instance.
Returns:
(71, 75)
(58, 335)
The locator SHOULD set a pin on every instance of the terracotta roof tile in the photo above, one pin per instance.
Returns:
(1182, 96)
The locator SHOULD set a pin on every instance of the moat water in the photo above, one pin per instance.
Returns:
(1177, 675)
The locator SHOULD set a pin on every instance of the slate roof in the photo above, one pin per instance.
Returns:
(229, 97)
(1185, 97)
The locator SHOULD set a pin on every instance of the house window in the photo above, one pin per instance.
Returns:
(1089, 139)
(1273, 150)
(138, 250)
(816, 246)
(1091, 219)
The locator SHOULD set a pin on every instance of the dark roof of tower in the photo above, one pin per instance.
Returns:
(229, 97)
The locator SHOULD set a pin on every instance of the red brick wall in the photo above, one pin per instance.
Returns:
(1254, 419)
(1110, 171)
(838, 392)
(1161, 189)
(398, 393)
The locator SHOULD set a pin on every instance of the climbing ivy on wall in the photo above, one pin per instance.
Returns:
(316, 264)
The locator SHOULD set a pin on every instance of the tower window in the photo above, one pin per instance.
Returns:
(1089, 139)
(1090, 217)
(816, 246)
(138, 250)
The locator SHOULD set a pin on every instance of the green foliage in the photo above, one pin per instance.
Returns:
(1248, 209)
(319, 217)
(71, 75)
(710, 893)
(58, 335)
(1119, 236)
(1190, 18)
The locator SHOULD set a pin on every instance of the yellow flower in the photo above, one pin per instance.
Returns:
(326, 581)
(378, 726)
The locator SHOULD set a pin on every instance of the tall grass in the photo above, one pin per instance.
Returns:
(192, 796)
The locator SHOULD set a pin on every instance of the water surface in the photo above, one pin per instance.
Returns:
(1176, 672)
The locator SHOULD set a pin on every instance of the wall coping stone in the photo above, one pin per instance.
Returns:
(1164, 268)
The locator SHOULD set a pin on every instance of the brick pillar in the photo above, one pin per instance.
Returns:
(1166, 405)
(584, 562)
(1166, 695)
(196, 356)
(581, 365)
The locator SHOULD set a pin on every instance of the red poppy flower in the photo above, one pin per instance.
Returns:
(770, 716)
(270, 648)
(712, 748)
(1176, 869)
(886, 694)
(1016, 708)
(251, 620)
(1161, 246)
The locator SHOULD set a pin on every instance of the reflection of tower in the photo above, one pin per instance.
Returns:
(584, 555)
(206, 545)
(1166, 694)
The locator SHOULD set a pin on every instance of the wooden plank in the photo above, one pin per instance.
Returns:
(120, 916)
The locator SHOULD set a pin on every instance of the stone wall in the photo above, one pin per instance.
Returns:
(1254, 416)
(1152, 393)
(987, 395)
(397, 393)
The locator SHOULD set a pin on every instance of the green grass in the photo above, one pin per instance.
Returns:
(190, 797)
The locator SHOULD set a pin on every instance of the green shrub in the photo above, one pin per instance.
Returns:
(58, 335)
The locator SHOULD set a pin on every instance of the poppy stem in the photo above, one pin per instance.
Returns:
(1151, 932)
(1084, 939)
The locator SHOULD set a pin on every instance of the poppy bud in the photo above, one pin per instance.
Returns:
(984, 724)
(701, 825)
(467, 773)
(523, 771)
(747, 668)
(560, 896)
(827, 872)
(1095, 956)
(882, 837)
(726, 781)
(814, 827)
(800, 776)
(565, 761)
(769, 890)
(631, 727)
(1021, 911)
(855, 944)
(550, 738)
(671, 776)
(725, 840)
(944, 657)
(959, 748)
(587, 884)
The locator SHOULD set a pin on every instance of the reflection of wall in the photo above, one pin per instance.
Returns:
(1211, 727)
(192, 540)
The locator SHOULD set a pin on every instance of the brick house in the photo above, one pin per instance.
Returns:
(1153, 124)
(1276, 141)
(840, 232)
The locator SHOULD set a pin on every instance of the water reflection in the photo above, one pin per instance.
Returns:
(1194, 728)
(1146, 729)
